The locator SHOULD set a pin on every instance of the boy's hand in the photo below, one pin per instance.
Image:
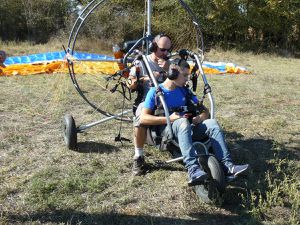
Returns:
(196, 120)
(174, 116)
(187, 115)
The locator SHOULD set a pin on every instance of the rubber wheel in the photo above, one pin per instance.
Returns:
(211, 192)
(70, 132)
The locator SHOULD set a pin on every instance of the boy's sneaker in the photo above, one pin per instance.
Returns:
(237, 169)
(196, 175)
(138, 165)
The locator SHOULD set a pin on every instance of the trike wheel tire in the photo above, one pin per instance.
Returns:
(70, 132)
(211, 192)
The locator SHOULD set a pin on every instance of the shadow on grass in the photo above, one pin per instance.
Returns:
(261, 154)
(95, 147)
(150, 167)
(76, 217)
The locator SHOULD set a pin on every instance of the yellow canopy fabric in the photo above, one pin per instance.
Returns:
(60, 67)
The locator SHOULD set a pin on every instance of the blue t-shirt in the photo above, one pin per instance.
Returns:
(173, 98)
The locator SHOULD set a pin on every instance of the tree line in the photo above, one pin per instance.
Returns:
(258, 25)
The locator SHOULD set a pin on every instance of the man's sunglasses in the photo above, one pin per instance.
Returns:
(165, 49)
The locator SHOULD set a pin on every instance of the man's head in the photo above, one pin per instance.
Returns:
(161, 46)
(179, 72)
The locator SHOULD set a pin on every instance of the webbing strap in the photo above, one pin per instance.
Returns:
(207, 89)
(158, 92)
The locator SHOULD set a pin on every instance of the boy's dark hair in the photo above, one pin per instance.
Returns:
(177, 67)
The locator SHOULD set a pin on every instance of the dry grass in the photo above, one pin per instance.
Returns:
(14, 48)
(43, 182)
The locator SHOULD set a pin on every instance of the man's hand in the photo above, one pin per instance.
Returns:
(174, 116)
(156, 74)
(164, 64)
(132, 83)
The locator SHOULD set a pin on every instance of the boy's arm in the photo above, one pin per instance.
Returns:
(147, 118)
(204, 115)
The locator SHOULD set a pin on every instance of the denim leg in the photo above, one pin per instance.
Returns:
(182, 131)
(212, 129)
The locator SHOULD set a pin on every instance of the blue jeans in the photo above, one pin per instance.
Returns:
(184, 132)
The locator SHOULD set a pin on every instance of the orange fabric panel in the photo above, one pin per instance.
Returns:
(88, 67)
(60, 67)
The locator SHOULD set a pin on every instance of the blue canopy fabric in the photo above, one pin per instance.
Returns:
(52, 56)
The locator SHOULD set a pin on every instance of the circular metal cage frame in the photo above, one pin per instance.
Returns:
(93, 5)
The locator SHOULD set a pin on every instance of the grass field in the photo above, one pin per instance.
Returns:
(42, 182)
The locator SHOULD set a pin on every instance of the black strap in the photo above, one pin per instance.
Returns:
(158, 92)
(207, 89)
(159, 110)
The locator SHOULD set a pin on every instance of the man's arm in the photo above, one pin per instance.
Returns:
(132, 80)
(204, 115)
(134, 74)
(148, 119)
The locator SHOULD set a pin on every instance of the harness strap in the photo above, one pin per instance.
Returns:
(158, 92)
(207, 89)
(159, 110)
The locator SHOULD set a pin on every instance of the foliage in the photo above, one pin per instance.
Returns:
(32, 20)
(258, 24)
(252, 25)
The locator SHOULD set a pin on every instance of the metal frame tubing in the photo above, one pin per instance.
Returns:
(166, 110)
(82, 128)
(210, 97)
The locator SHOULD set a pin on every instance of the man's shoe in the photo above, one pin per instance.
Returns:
(196, 175)
(138, 166)
(237, 169)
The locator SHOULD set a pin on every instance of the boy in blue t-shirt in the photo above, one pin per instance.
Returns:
(183, 130)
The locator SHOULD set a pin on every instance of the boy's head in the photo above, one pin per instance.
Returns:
(179, 72)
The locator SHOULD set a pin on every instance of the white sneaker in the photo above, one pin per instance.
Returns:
(238, 169)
